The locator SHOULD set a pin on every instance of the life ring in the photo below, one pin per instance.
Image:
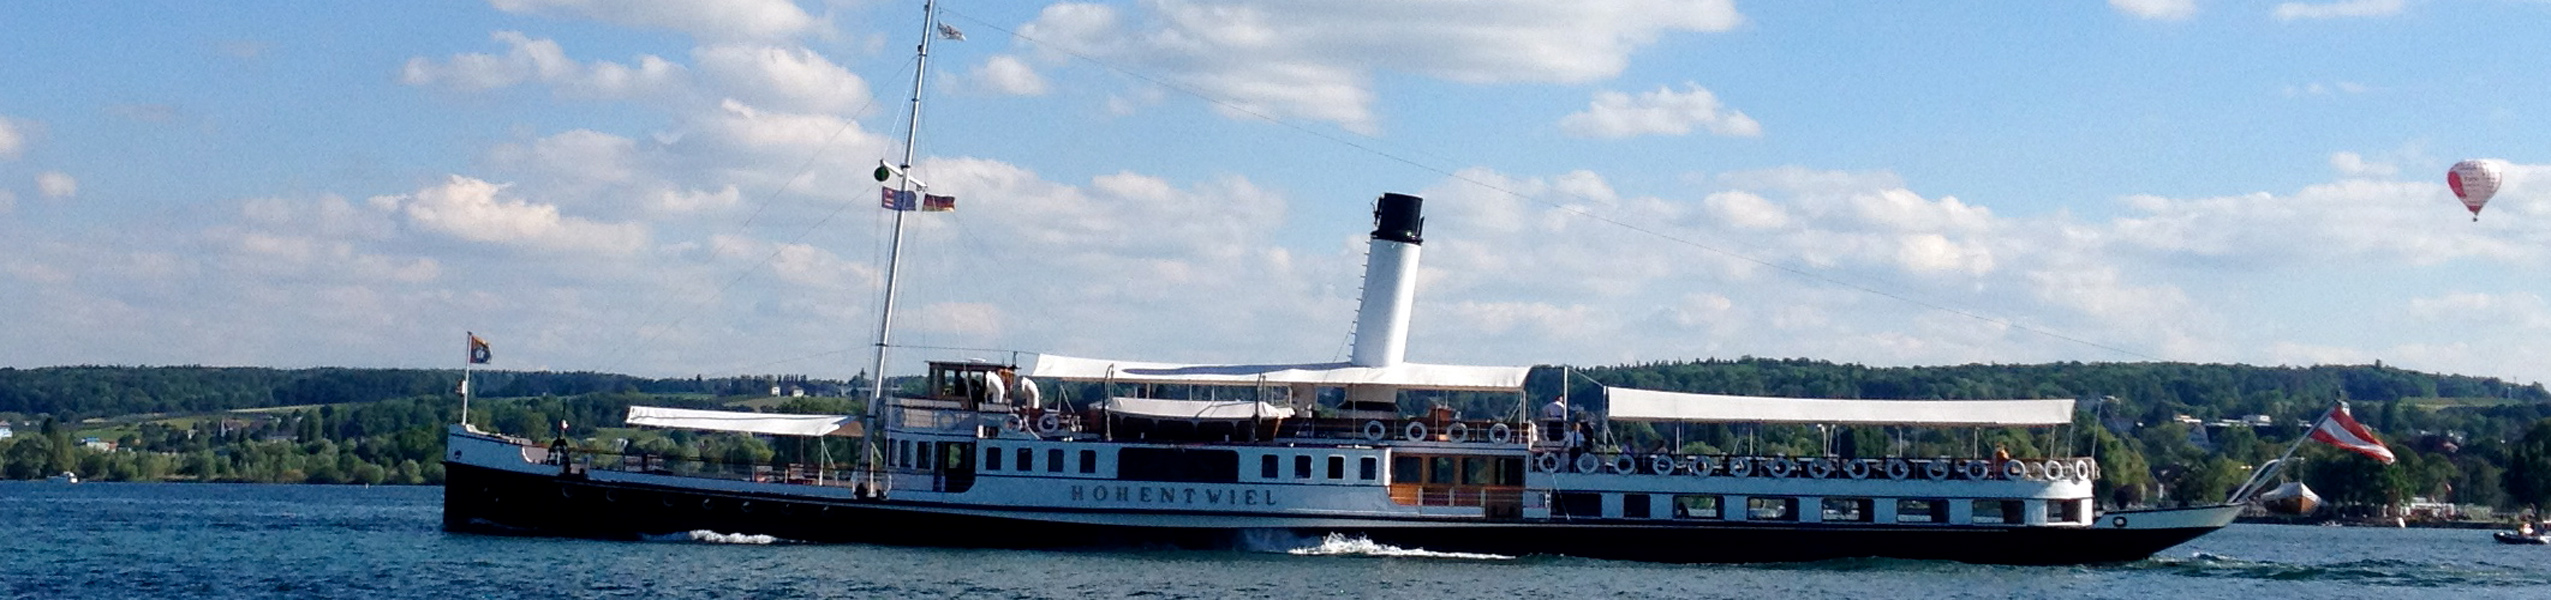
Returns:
(1015, 423)
(1936, 469)
(1701, 466)
(1373, 431)
(1779, 467)
(1049, 423)
(1587, 463)
(2086, 469)
(1415, 431)
(1622, 463)
(1499, 434)
(1976, 469)
(1819, 468)
(1898, 469)
(2014, 469)
(1548, 461)
(2058, 471)
(1457, 432)
(1740, 466)
(1661, 464)
(1857, 469)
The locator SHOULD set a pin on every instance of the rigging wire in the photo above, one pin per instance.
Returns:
(1369, 146)
(808, 166)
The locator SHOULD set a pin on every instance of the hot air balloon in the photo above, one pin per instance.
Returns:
(2474, 181)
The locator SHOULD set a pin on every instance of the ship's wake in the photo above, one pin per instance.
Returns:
(2386, 572)
(1338, 544)
(704, 536)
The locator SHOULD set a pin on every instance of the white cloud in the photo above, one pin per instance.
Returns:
(975, 319)
(677, 202)
(56, 184)
(473, 210)
(2518, 310)
(2156, 9)
(1746, 210)
(1660, 112)
(2326, 89)
(2333, 10)
(706, 19)
(543, 61)
(2354, 165)
(1316, 59)
(1008, 75)
(12, 143)
(786, 79)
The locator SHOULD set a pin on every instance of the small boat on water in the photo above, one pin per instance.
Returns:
(2292, 498)
(2511, 537)
(64, 477)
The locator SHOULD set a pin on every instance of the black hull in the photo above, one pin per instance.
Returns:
(488, 501)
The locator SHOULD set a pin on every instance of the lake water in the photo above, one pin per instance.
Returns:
(108, 540)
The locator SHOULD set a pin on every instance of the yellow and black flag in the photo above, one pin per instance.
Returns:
(478, 354)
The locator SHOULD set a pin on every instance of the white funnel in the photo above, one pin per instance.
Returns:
(1390, 282)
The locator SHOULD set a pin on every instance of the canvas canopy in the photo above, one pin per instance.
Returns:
(1648, 405)
(1404, 375)
(744, 422)
(1196, 410)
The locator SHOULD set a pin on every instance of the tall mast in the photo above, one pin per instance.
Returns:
(903, 185)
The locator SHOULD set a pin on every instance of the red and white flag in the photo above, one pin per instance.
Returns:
(2341, 429)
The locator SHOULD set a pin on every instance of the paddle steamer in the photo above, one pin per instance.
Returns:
(980, 458)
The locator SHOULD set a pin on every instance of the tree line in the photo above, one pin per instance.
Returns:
(2469, 440)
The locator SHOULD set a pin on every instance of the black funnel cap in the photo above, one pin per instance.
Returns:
(1395, 219)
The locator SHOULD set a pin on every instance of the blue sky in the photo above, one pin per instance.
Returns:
(671, 187)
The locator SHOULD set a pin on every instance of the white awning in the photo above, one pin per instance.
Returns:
(1196, 410)
(1404, 375)
(744, 422)
(1648, 405)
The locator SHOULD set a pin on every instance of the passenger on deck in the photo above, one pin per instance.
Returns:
(1554, 420)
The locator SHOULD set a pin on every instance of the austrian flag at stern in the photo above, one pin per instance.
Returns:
(2339, 428)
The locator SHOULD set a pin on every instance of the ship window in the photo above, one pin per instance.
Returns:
(1364, 468)
(2069, 511)
(1178, 464)
(1302, 467)
(991, 459)
(1408, 469)
(1846, 510)
(1922, 510)
(1996, 511)
(921, 452)
(1054, 460)
(1578, 504)
(1696, 507)
(1634, 506)
(1089, 461)
(1771, 509)
(1440, 470)
(1027, 459)
(1510, 471)
(1267, 466)
(1337, 467)
(1477, 470)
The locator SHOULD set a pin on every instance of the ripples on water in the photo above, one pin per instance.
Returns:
(256, 541)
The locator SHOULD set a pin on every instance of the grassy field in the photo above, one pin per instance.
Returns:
(2439, 403)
